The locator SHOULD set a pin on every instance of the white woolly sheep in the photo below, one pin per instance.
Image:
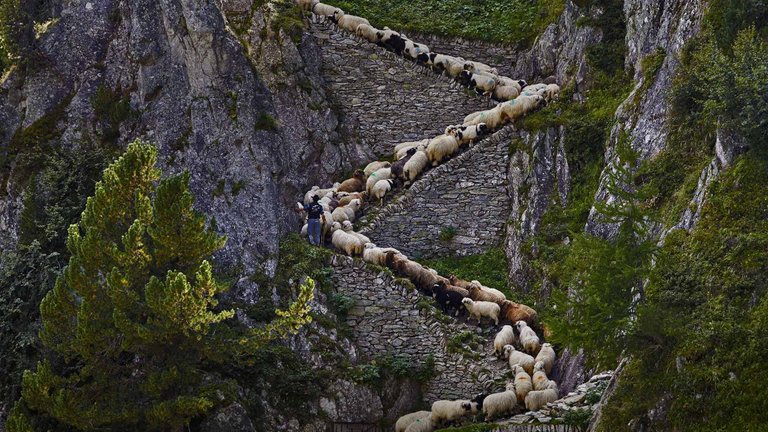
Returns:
(441, 147)
(305, 230)
(509, 82)
(481, 309)
(505, 93)
(552, 92)
(415, 165)
(493, 118)
(444, 411)
(413, 49)
(518, 107)
(378, 175)
(489, 290)
(322, 9)
(367, 32)
(505, 336)
(518, 358)
(376, 255)
(349, 229)
(375, 166)
(381, 188)
(474, 67)
(528, 338)
(470, 133)
(326, 224)
(345, 241)
(483, 83)
(346, 213)
(401, 150)
(540, 379)
(547, 356)
(351, 22)
(522, 383)
(537, 399)
(405, 421)
(307, 5)
(453, 66)
(424, 424)
(498, 404)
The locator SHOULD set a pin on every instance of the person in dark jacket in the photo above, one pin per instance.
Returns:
(315, 213)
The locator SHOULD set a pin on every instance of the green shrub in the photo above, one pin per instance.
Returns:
(578, 417)
(265, 121)
(341, 305)
(111, 108)
(447, 234)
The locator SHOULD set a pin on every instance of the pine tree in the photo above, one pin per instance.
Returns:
(603, 277)
(132, 321)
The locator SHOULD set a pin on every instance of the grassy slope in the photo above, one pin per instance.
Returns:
(507, 21)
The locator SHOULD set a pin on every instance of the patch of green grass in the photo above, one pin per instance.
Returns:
(448, 233)
(507, 21)
(265, 121)
(466, 343)
(490, 268)
(237, 187)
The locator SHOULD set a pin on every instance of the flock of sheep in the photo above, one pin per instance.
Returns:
(343, 202)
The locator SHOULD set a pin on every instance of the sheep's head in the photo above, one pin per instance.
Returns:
(523, 84)
(454, 279)
(518, 369)
(538, 367)
(520, 325)
(355, 203)
(423, 58)
(469, 66)
(432, 57)
(546, 345)
(337, 14)
(472, 288)
(466, 76)
(346, 226)
(482, 129)
(411, 151)
(466, 301)
(550, 80)
(466, 406)
(507, 328)
(359, 174)
(370, 246)
(508, 350)
(335, 227)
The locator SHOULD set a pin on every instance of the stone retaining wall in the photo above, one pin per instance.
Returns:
(465, 200)
(387, 318)
(384, 99)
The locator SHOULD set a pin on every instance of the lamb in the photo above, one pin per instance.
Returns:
(441, 147)
(351, 22)
(473, 67)
(307, 5)
(406, 420)
(444, 411)
(345, 241)
(551, 92)
(493, 291)
(347, 227)
(381, 188)
(514, 312)
(367, 32)
(540, 380)
(471, 133)
(505, 93)
(522, 383)
(502, 403)
(481, 309)
(449, 297)
(380, 174)
(415, 165)
(345, 200)
(322, 9)
(346, 213)
(376, 255)
(479, 294)
(547, 356)
(397, 167)
(505, 336)
(375, 166)
(518, 358)
(424, 424)
(537, 399)
(528, 337)
(354, 184)
(482, 83)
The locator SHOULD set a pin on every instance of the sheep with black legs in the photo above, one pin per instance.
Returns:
(537, 399)
(528, 338)
(482, 83)
(351, 22)
(480, 309)
(441, 147)
(449, 297)
(345, 241)
(471, 133)
(406, 420)
(375, 166)
(354, 184)
(346, 213)
(539, 379)
(380, 189)
(399, 165)
(415, 164)
(518, 358)
(505, 336)
(444, 411)
(523, 383)
(505, 93)
(547, 356)
(392, 40)
(378, 175)
(499, 404)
